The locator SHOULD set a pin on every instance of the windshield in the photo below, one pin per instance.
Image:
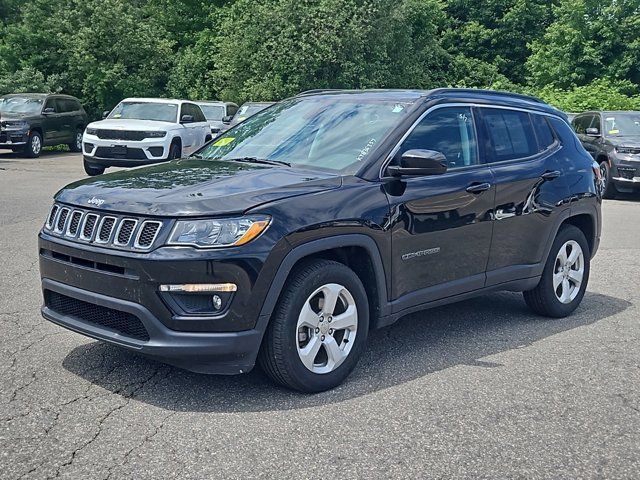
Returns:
(28, 105)
(161, 112)
(622, 124)
(212, 112)
(328, 133)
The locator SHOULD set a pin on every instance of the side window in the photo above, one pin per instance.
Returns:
(449, 131)
(187, 109)
(198, 115)
(66, 105)
(580, 124)
(52, 103)
(231, 110)
(595, 123)
(511, 134)
(543, 131)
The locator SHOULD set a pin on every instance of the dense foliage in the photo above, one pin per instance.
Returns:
(577, 54)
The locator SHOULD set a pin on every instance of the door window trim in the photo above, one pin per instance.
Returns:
(471, 105)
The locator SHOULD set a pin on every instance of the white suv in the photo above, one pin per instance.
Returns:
(140, 131)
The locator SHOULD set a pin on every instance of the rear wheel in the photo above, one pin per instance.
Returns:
(565, 275)
(92, 170)
(319, 328)
(76, 145)
(608, 188)
(33, 148)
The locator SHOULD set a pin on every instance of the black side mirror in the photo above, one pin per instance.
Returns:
(419, 162)
(227, 119)
(186, 119)
(593, 132)
(48, 111)
(105, 114)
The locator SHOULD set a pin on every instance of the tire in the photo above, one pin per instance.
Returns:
(290, 332)
(174, 151)
(33, 148)
(546, 299)
(76, 145)
(609, 190)
(91, 170)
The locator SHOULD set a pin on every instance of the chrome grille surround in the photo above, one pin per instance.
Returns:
(121, 232)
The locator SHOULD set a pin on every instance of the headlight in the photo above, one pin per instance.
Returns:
(17, 125)
(155, 134)
(92, 131)
(222, 232)
(628, 150)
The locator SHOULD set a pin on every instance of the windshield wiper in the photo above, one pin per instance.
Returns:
(257, 160)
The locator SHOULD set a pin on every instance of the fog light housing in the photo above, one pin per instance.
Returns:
(198, 299)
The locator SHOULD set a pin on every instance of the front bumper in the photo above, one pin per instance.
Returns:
(125, 287)
(125, 153)
(219, 353)
(626, 174)
(13, 138)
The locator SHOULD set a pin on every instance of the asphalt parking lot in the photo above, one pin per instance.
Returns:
(481, 389)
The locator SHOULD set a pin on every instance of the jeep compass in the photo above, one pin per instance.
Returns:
(288, 238)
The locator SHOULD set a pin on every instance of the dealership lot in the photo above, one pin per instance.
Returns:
(483, 388)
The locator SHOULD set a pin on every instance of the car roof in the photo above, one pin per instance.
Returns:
(488, 97)
(156, 100)
(29, 95)
(258, 103)
(213, 102)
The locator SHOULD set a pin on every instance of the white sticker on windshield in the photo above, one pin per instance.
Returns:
(397, 108)
(366, 149)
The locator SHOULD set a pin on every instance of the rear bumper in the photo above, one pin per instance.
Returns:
(203, 352)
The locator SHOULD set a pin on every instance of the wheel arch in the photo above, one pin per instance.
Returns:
(357, 251)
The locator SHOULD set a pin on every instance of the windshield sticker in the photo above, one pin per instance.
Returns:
(366, 149)
(610, 119)
(613, 132)
(397, 108)
(224, 141)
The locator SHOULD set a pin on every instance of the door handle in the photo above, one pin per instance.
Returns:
(550, 175)
(478, 187)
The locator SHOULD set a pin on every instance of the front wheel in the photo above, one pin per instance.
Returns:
(92, 170)
(174, 151)
(33, 148)
(76, 145)
(608, 188)
(319, 328)
(565, 275)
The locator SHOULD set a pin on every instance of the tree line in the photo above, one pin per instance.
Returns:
(576, 54)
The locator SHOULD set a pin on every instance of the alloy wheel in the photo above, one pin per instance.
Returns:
(79, 141)
(568, 271)
(327, 327)
(36, 145)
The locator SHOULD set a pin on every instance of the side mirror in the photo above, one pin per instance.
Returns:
(593, 132)
(105, 114)
(186, 119)
(419, 162)
(48, 111)
(227, 119)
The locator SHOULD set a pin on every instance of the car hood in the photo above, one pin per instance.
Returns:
(18, 116)
(191, 187)
(630, 141)
(126, 124)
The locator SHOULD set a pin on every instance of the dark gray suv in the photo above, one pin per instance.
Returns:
(613, 140)
(30, 121)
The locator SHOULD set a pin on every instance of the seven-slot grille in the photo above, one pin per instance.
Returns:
(130, 135)
(108, 230)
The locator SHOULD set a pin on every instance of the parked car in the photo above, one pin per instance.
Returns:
(292, 235)
(613, 140)
(30, 121)
(141, 131)
(249, 109)
(218, 114)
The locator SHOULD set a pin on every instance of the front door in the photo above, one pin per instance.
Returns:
(441, 225)
(52, 123)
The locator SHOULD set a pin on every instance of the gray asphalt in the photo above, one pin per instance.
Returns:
(481, 389)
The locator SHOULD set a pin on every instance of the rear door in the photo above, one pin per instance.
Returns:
(67, 117)
(523, 154)
(441, 224)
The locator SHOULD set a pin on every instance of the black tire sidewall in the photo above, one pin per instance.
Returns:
(609, 190)
(303, 378)
(174, 151)
(29, 147)
(91, 170)
(73, 146)
(553, 306)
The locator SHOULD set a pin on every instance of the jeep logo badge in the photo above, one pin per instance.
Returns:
(95, 201)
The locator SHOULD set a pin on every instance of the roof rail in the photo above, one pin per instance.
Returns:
(486, 92)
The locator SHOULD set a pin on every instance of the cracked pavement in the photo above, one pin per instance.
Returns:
(481, 389)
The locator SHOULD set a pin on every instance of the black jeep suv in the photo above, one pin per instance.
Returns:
(613, 139)
(30, 121)
(289, 237)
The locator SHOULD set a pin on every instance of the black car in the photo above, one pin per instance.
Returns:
(613, 140)
(289, 237)
(30, 121)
